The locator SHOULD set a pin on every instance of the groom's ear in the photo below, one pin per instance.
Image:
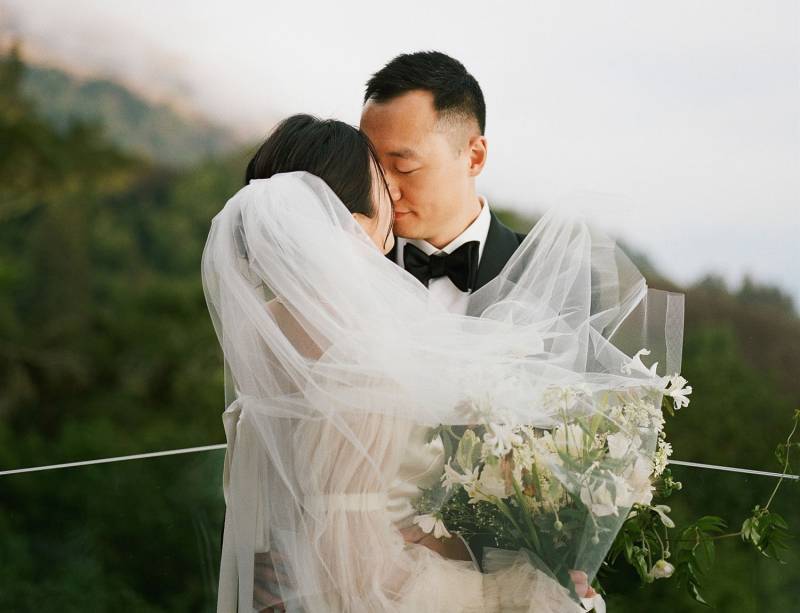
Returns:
(477, 150)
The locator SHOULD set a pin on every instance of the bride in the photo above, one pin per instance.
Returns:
(338, 364)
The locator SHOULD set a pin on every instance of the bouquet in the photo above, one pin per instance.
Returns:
(559, 494)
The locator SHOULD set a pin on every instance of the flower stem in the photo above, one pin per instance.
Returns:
(534, 541)
(526, 513)
(786, 461)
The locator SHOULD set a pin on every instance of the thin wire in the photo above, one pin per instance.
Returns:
(747, 471)
(156, 454)
(137, 456)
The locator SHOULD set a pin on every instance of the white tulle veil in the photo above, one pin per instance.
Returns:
(333, 354)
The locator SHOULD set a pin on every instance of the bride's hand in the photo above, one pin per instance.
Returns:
(581, 581)
(452, 548)
(266, 577)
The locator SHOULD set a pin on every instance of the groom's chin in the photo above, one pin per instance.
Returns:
(405, 226)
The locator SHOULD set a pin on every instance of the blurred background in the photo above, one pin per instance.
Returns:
(124, 127)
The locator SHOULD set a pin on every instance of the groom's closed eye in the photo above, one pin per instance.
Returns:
(407, 171)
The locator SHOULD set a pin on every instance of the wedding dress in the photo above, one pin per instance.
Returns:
(421, 466)
(337, 365)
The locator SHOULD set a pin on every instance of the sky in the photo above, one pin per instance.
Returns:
(673, 125)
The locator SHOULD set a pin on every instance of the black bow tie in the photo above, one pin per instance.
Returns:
(461, 266)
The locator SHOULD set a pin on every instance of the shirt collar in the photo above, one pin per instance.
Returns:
(478, 230)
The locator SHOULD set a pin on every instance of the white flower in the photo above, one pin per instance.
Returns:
(674, 388)
(599, 501)
(620, 444)
(594, 603)
(636, 365)
(490, 483)
(642, 413)
(634, 486)
(569, 439)
(661, 457)
(638, 476)
(501, 438)
(662, 570)
(552, 492)
(524, 455)
(452, 477)
(432, 523)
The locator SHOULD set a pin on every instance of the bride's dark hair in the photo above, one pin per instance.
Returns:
(336, 152)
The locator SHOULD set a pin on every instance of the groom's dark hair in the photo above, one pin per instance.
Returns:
(455, 91)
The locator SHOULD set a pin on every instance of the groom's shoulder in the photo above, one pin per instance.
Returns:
(503, 230)
(501, 243)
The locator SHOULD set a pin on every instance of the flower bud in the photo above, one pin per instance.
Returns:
(662, 570)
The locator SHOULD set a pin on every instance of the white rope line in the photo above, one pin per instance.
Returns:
(747, 471)
(137, 456)
(156, 454)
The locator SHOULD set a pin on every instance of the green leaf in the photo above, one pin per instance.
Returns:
(707, 560)
(694, 592)
(750, 531)
(711, 523)
(628, 546)
(767, 531)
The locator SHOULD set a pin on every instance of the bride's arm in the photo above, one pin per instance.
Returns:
(452, 548)
(352, 555)
(344, 462)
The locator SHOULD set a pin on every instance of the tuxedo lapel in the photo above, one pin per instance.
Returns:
(501, 243)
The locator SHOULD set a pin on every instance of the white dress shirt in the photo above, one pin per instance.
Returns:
(442, 288)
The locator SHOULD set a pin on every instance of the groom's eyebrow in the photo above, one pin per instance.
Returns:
(404, 153)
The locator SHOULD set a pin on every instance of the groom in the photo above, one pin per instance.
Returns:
(426, 117)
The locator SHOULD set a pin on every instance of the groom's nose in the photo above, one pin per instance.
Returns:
(394, 190)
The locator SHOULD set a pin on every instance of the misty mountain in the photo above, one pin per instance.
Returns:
(156, 132)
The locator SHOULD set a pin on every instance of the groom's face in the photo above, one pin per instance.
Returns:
(427, 162)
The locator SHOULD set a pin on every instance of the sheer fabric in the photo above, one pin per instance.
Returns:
(335, 357)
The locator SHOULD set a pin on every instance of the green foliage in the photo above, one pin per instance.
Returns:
(105, 349)
(695, 554)
(767, 531)
(99, 261)
(646, 530)
(759, 294)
